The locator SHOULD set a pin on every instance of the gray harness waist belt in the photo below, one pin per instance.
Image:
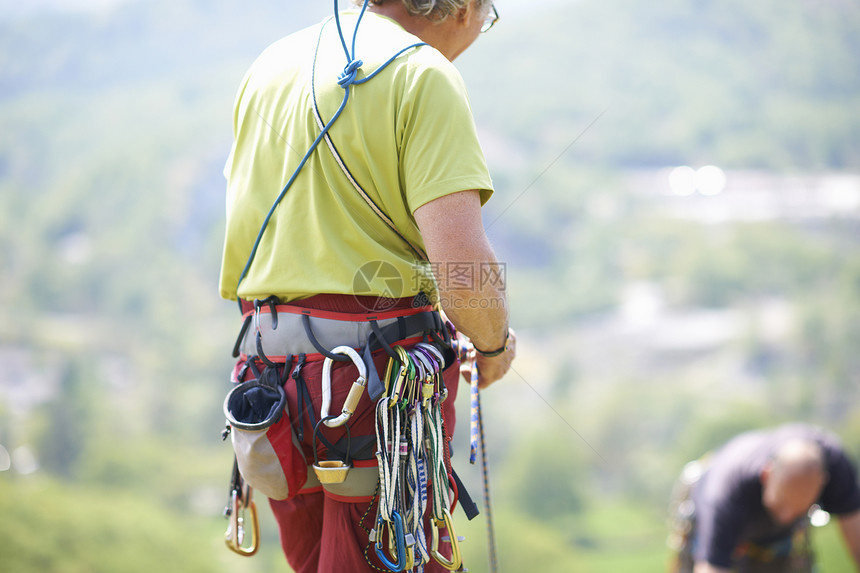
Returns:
(287, 333)
(290, 334)
(290, 337)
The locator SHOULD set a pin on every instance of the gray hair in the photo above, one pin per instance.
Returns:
(436, 10)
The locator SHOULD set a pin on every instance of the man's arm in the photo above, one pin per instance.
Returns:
(454, 233)
(720, 516)
(850, 525)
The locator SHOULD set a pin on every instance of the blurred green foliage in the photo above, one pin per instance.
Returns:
(75, 529)
(113, 132)
(773, 85)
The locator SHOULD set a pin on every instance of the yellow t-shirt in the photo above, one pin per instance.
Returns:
(407, 136)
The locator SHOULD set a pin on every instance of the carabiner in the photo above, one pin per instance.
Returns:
(407, 371)
(235, 535)
(391, 370)
(412, 389)
(456, 561)
(355, 391)
(399, 542)
(430, 369)
(431, 350)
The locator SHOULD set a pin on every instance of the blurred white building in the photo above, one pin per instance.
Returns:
(709, 195)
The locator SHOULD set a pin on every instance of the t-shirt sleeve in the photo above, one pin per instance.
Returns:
(439, 149)
(841, 495)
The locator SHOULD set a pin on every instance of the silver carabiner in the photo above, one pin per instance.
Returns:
(355, 391)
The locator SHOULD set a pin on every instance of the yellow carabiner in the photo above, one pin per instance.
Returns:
(456, 561)
(410, 559)
(389, 370)
(405, 367)
(235, 536)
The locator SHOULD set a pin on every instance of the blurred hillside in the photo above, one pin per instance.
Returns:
(654, 323)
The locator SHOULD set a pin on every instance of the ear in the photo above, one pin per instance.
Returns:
(466, 13)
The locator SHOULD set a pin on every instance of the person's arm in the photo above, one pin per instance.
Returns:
(705, 567)
(721, 512)
(453, 233)
(850, 526)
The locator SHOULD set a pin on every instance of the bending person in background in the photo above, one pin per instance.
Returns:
(748, 504)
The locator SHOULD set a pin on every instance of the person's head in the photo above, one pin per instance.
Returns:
(793, 479)
(450, 26)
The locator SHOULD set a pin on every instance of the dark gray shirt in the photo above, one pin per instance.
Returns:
(728, 501)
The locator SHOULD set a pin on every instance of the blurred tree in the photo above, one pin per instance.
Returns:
(69, 419)
(545, 476)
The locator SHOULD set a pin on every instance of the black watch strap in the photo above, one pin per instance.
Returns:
(497, 351)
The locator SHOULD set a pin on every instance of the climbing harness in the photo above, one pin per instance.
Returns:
(413, 477)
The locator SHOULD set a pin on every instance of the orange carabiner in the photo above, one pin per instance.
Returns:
(456, 561)
(235, 535)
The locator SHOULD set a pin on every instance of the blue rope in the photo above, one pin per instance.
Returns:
(349, 56)
(346, 79)
(391, 59)
(285, 189)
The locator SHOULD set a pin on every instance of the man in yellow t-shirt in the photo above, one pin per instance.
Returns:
(407, 137)
(388, 206)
